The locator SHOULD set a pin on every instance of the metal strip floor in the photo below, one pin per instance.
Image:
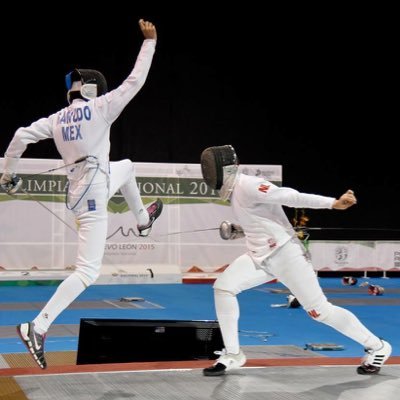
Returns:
(273, 383)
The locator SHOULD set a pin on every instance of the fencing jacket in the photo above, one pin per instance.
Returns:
(257, 206)
(83, 128)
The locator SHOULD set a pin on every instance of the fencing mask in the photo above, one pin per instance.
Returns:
(85, 83)
(219, 167)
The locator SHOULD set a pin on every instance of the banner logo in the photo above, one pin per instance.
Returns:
(396, 259)
(341, 254)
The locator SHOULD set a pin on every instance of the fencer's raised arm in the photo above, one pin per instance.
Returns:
(80, 127)
(148, 29)
(113, 102)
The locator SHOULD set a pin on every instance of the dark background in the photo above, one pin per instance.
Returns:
(311, 89)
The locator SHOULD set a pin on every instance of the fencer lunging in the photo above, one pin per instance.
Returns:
(274, 252)
(81, 133)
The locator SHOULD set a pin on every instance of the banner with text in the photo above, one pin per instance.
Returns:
(39, 232)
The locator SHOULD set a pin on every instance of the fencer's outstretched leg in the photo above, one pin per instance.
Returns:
(308, 292)
(33, 333)
(92, 237)
(344, 321)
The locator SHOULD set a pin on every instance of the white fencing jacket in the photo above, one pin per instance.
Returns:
(257, 206)
(83, 128)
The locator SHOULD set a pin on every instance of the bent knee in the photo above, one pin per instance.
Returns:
(129, 164)
(222, 286)
(221, 292)
(125, 164)
(322, 312)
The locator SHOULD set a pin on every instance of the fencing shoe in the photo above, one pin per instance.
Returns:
(33, 341)
(225, 362)
(154, 210)
(374, 359)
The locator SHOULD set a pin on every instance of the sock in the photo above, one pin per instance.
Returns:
(65, 294)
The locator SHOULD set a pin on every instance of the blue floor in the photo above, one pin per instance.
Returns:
(260, 324)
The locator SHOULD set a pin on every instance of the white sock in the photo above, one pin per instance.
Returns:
(65, 294)
(227, 308)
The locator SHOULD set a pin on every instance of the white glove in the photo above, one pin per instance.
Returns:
(9, 181)
(229, 231)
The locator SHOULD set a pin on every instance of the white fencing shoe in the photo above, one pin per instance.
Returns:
(225, 362)
(374, 359)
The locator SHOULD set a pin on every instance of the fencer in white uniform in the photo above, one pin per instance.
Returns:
(81, 133)
(274, 252)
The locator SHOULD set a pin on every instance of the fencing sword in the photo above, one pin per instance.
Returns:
(296, 229)
(79, 160)
(179, 233)
(192, 231)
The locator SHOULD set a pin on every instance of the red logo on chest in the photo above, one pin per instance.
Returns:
(263, 188)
